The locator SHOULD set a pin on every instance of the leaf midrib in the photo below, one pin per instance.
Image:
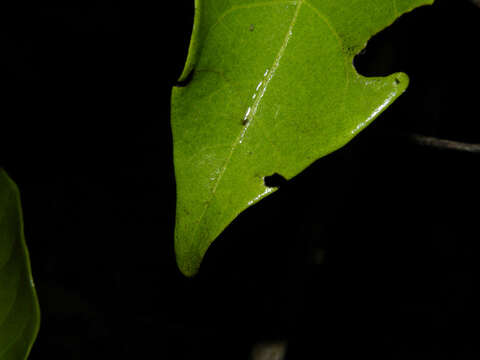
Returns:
(254, 108)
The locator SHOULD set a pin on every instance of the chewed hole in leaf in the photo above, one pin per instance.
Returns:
(378, 58)
(382, 54)
(274, 181)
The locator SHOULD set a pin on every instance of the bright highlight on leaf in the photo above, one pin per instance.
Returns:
(19, 310)
(271, 89)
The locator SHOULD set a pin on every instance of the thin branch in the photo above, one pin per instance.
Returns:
(444, 144)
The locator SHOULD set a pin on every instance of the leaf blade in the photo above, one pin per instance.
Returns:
(260, 66)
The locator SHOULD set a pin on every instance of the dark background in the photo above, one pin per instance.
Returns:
(373, 251)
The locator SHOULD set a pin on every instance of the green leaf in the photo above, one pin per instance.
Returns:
(273, 89)
(19, 309)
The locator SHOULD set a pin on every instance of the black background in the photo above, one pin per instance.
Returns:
(372, 251)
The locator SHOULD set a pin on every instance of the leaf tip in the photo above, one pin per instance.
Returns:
(187, 267)
(188, 259)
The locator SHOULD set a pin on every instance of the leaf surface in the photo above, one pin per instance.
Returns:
(272, 89)
(19, 309)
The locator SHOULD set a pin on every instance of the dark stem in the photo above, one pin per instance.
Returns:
(444, 144)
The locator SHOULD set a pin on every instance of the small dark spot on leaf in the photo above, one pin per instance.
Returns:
(251, 27)
(245, 121)
(397, 81)
(187, 80)
(275, 180)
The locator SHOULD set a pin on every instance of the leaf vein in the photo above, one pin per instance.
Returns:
(255, 105)
(249, 6)
(395, 8)
(325, 19)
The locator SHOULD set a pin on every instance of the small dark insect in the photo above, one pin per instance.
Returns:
(252, 27)
(245, 121)
(397, 81)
